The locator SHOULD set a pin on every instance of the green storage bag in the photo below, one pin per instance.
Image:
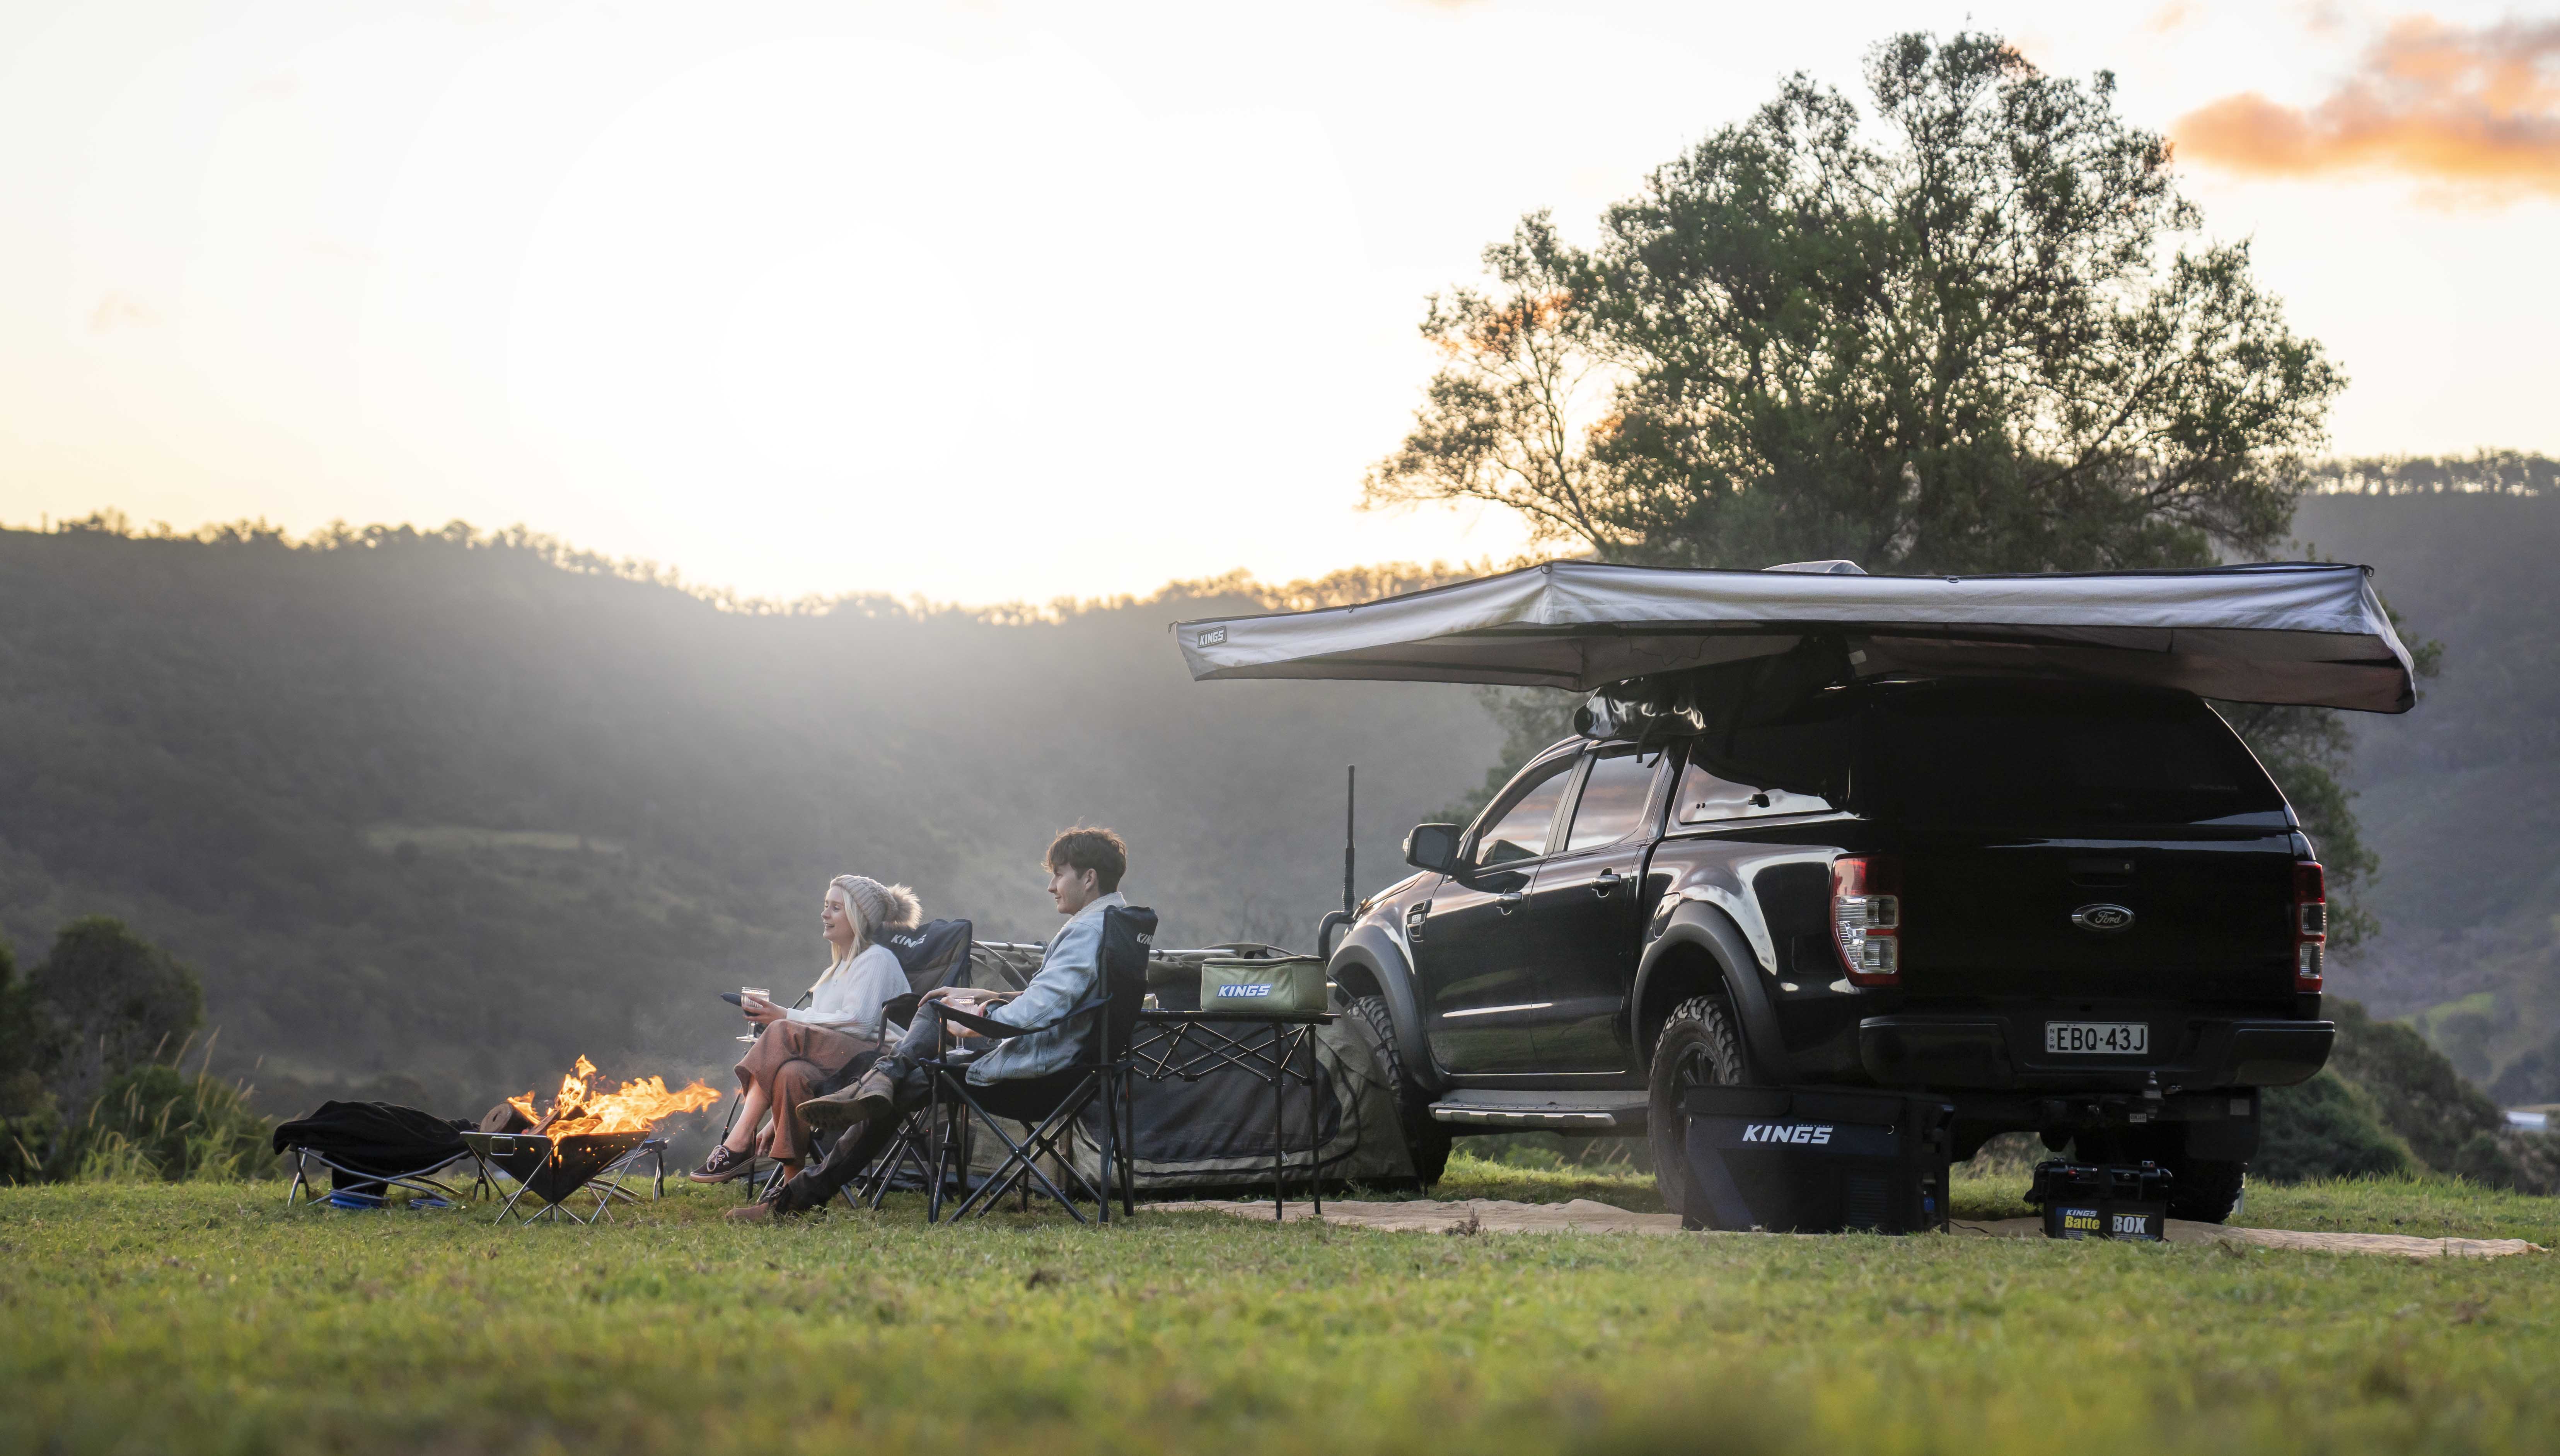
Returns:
(1273, 987)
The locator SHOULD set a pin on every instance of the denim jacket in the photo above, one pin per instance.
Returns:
(1065, 979)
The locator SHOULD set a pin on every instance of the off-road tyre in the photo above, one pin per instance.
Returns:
(2206, 1189)
(1425, 1139)
(1700, 1046)
(2200, 1190)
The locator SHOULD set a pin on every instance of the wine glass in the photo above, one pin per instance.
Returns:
(756, 993)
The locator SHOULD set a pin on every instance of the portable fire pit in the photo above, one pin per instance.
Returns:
(595, 1134)
(553, 1170)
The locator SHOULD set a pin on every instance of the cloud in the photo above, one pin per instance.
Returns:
(2177, 15)
(2477, 109)
(117, 309)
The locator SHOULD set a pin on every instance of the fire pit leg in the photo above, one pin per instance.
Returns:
(510, 1208)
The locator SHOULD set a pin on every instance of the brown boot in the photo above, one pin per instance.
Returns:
(873, 1096)
(876, 1095)
(761, 1211)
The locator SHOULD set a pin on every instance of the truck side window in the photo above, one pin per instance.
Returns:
(1518, 830)
(1704, 798)
(1614, 796)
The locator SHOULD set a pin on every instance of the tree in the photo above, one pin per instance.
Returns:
(116, 1000)
(30, 1123)
(1955, 339)
(1958, 333)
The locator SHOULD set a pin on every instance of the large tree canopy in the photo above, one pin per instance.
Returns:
(1956, 333)
(1971, 328)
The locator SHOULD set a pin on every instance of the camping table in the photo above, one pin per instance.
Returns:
(1189, 1045)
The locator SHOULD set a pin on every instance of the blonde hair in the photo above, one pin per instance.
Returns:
(875, 909)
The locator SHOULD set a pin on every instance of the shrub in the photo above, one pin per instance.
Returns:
(2324, 1128)
(156, 1123)
(30, 1120)
(2511, 1157)
(31, 1130)
(2415, 1089)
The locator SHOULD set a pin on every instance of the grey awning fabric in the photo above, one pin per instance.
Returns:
(2297, 632)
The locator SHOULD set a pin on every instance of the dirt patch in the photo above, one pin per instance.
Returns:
(1583, 1216)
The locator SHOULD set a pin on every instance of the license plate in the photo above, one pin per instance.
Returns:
(2102, 1039)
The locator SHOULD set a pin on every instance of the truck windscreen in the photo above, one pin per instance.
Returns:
(2010, 754)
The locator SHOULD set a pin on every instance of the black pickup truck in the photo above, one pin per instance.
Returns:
(2081, 910)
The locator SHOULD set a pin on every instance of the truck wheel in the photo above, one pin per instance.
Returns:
(1700, 1047)
(1424, 1138)
(2206, 1189)
(2203, 1189)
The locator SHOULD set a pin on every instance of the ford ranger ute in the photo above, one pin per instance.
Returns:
(2081, 910)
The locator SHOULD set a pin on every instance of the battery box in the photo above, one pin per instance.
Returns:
(2101, 1201)
(1815, 1160)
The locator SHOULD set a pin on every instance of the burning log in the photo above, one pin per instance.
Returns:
(594, 1127)
(591, 1103)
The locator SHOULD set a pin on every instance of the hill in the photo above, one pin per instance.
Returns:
(2462, 797)
(460, 809)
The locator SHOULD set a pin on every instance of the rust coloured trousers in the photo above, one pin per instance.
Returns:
(794, 1062)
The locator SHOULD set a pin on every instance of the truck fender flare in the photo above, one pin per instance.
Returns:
(1372, 949)
(1708, 928)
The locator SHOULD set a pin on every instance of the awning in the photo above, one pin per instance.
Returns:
(2296, 632)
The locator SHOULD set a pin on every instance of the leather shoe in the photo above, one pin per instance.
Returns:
(762, 1211)
(723, 1165)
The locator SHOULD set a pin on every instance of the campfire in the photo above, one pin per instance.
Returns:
(590, 1103)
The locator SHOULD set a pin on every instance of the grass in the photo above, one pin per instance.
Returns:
(199, 1318)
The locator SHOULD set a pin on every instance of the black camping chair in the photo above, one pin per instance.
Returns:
(371, 1148)
(932, 955)
(1052, 1105)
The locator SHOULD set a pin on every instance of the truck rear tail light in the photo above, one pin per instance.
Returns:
(2310, 924)
(1866, 919)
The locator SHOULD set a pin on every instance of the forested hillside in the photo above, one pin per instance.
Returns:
(458, 810)
(2462, 797)
(450, 810)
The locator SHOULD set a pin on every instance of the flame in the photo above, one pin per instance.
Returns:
(589, 1104)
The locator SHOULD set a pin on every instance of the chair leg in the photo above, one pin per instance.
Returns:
(1021, 1167)
(941, 1127)
(1110, 1144)
(1128, 1146)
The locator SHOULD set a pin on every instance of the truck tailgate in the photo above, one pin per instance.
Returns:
(2187, 919)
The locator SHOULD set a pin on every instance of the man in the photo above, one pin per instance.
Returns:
(1085, 866)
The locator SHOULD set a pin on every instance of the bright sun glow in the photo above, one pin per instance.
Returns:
(978, 301)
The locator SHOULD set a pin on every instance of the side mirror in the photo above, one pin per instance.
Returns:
(1433, 846)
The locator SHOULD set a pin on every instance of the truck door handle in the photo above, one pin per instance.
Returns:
(1607, 881)
(1508, 902)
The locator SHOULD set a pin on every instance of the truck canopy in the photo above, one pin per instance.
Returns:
(2294, 632)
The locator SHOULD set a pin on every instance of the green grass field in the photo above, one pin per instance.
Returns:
(201, 1318)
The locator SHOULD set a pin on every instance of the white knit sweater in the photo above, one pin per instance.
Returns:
(851, 1000)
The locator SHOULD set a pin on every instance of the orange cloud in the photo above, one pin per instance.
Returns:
(2176, 15)
(2475, 108)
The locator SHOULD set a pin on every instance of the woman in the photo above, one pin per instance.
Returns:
(800, 1051)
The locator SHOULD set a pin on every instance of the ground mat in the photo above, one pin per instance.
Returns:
(1582, 1215)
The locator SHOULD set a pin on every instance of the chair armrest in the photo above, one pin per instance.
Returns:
(1000, 1030)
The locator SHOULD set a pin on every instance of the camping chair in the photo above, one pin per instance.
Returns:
(932, 955)
(1052, 1105)
(371, 1148)
(908, 1160)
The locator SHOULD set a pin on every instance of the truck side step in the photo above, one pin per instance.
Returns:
(1584, 1112)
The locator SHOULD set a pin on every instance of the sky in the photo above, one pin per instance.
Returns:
(981, 301)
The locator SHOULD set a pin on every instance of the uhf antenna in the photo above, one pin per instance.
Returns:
(1350, 842)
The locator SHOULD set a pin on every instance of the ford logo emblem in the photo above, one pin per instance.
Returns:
(2103, 918)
